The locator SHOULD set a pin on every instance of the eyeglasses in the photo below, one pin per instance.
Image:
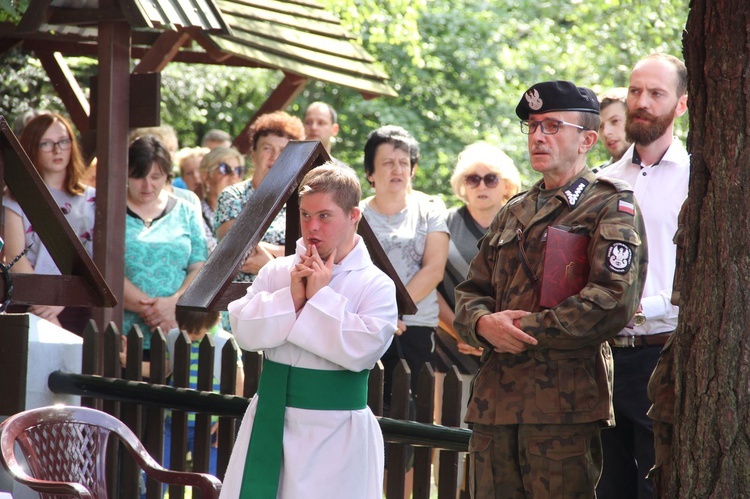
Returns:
(225, 169)
(549, 127)
(49, 146)
(473, 181)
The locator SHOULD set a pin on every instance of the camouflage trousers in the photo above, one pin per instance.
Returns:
(535, 461)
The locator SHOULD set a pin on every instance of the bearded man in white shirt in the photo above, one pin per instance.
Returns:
(658, 168)
(323, 317)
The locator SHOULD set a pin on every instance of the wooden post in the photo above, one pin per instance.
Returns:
(154, 434)
(396, 453)
(425, 400)
(448, 474)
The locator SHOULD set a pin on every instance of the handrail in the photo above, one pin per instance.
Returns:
(186, 399)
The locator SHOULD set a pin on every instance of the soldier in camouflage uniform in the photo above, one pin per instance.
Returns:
(543, 392)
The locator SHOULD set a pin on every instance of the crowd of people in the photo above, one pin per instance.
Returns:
(542, 399)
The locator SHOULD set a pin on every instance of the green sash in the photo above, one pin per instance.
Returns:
(286, 386)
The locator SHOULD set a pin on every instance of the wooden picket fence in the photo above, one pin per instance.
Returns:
(102, 357)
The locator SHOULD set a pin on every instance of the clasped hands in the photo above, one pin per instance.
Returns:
(310, 275)
(159, 312)
(503, 331)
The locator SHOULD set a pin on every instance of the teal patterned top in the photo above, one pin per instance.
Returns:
(230, 204)
(157, 257)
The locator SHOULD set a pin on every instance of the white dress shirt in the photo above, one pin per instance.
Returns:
(660, 190)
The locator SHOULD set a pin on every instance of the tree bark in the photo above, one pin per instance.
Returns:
(712, 353)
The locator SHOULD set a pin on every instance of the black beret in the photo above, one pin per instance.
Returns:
(550, 96)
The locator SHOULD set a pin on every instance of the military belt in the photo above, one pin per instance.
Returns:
(643, 340)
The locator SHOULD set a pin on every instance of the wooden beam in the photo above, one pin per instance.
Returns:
(36, 13)
(162, 52)
(55, 233)
(212, 288)
(210, 47)
(67, 88)
(282, 96)
(84, 17)
(112, 154)
(250, 226)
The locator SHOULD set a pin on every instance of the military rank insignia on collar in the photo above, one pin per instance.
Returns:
(574, 191)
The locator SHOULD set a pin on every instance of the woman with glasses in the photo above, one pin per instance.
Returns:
(484, 178)
(269, 135)
(51, 144)
(219, 168)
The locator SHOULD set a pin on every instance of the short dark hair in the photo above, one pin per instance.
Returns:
(394, 135)
(194, 321)
(144, 152)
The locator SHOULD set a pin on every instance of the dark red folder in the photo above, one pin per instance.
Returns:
(566, 266)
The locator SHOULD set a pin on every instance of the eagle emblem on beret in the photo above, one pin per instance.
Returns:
(532, 97)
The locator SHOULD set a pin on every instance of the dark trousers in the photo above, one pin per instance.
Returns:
(415, 346)
(629, 446)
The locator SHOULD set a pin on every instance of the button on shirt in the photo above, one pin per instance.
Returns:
(660, 190)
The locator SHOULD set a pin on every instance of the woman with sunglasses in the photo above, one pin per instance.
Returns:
(219, 168)
(51, 144)
(484, 178)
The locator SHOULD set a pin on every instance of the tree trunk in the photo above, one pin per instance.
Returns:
(712, 356)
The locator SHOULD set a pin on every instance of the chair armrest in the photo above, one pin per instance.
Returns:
(58, 488)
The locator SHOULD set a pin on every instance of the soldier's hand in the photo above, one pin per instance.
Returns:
(501, 330)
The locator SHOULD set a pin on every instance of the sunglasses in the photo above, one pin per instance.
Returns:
(490, 180)
(225, 169)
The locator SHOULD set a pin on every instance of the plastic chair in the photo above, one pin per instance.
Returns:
(66, 447)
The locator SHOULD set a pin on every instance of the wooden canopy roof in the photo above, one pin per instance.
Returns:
(297, 37)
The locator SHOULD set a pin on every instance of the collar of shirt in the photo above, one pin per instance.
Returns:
(675, 153)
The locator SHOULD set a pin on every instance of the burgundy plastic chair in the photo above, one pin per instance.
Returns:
(65, 450)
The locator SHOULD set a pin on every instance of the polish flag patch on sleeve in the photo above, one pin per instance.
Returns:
(626, 207)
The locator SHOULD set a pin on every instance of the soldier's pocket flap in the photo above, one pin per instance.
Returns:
(620, 232)
(479, 442)
(557, 448)
(599, 296)
(503, 238)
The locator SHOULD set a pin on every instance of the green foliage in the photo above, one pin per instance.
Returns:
(10, 10)
(459, 67)
(196, 98)
(24, 86)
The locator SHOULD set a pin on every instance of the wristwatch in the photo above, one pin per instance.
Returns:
(639, 319)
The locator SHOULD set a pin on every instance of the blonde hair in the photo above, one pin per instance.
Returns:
(187, 153)
(494, 159)
(218, 155)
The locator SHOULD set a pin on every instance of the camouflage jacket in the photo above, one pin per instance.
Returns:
(567, 377)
